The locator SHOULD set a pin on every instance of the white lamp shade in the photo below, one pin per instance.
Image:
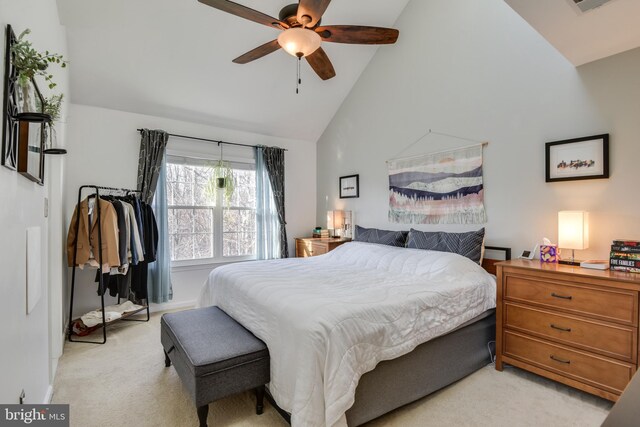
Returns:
(330, 220)
(338, 219)
(335, 220)
(299, 41)
(573, 230)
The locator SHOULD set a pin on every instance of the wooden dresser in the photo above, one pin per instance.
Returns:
(573, 325)
(312, 246)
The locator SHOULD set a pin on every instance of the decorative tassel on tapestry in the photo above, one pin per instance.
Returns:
(438, 188)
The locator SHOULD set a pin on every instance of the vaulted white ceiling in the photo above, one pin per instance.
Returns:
(584, 37)
(172, 58)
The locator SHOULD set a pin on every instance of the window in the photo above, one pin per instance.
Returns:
(203, 227)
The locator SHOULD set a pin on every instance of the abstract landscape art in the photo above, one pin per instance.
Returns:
(439, 188)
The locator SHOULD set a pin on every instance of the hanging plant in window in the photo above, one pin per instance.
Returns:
(222, 179)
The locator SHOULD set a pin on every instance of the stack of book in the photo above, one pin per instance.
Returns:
(323, 233)
(625, 256)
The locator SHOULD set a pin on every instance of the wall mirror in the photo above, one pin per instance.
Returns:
(30, 151)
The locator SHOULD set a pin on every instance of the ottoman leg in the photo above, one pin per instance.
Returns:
(259, 400)
(167, 361)
(203, 412)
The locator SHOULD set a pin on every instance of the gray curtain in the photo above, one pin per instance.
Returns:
(274, 162)
(152, 147)
(152, 176)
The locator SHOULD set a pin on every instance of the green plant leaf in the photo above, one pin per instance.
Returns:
(30, 63)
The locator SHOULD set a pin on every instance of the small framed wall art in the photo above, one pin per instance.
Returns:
(576, 159)
(349, 186)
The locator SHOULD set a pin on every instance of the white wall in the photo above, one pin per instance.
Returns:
(103, 150)
(28, 357)
(476, 69)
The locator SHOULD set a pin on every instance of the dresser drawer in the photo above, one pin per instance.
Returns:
(598, 371)
(308, 247)
(303, 249)
(319, 249)
(614, 305)
(607, 339)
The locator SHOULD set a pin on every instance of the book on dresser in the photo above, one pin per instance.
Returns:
(625, 256)
(622, 242)
(623, 248)
(570, 324)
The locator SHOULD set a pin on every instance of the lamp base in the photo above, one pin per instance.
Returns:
(575, 262)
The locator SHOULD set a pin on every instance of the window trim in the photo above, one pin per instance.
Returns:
(218, 213)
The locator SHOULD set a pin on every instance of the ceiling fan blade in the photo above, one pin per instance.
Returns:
(355, 34)
(258, 52)
(314, 9)
(321, 64)
(245, 12)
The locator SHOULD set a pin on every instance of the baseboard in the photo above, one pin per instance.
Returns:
(172, 306)
(48, 396)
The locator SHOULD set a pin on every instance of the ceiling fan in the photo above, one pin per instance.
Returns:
(302, 34)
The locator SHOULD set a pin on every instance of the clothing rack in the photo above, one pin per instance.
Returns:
(96, 194)
(237, 144)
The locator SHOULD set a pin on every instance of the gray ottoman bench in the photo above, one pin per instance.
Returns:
(214, 356)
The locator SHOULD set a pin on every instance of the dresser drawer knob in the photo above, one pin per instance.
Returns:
(560, 328)
(557, 359)
(553, 294)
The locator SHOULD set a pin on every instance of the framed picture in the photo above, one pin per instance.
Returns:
(576, 159)
(349, 186)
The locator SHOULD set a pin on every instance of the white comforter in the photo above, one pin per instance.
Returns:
(328, 320)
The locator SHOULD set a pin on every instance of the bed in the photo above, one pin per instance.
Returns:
(421, 318)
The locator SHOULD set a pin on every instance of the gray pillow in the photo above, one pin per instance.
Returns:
(382, 237)
(466, 244)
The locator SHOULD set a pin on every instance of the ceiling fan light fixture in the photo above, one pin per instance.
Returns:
(299, 41)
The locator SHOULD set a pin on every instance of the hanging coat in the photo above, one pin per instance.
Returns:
(87, 246)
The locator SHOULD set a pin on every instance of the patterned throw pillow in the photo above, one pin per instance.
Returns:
(466, 244)
(382, 237)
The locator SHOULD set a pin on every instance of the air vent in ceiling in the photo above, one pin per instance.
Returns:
(587, 5)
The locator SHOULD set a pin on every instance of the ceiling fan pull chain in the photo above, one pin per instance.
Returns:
(298, 79)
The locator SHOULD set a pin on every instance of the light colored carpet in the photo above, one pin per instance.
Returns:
(125, 383)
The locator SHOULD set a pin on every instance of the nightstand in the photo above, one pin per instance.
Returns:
(314, 246)
(570, 324)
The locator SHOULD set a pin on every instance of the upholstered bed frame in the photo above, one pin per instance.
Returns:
(428, 368)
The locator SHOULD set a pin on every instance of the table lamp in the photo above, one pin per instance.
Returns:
(338, 222)
(573, 233)
(335, 223)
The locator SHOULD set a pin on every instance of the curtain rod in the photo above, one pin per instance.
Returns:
(211, 140)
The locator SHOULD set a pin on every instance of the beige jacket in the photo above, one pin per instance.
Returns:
(88, 241)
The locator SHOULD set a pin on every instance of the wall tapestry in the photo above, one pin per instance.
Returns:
(439, 188)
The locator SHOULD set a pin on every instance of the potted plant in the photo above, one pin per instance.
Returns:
(222, 180)
(30, 63)
(52, 106)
